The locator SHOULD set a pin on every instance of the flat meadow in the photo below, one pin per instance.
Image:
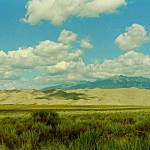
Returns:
(60, 127)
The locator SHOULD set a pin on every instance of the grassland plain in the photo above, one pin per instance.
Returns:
(68, 107)
(107, 128)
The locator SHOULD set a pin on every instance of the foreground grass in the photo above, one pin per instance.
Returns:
(65, 130)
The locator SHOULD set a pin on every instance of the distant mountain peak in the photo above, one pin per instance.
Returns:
(118, 81)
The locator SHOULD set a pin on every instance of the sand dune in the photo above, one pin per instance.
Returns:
(97, 96)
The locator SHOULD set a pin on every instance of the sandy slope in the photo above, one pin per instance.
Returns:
(129, 96)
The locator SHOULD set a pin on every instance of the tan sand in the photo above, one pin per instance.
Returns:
(97, 96)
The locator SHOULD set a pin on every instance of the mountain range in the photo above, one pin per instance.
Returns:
(117, 90)
(109, 83)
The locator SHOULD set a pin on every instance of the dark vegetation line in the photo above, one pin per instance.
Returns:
(71, 107)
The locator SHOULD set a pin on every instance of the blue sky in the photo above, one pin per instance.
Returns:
(99, 30)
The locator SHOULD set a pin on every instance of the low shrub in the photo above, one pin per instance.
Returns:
(51, 118)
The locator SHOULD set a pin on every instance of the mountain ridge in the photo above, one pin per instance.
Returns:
(109, 83)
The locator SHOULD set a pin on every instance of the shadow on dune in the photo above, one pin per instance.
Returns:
(50, 94)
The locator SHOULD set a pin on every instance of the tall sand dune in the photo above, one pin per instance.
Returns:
(97, 96)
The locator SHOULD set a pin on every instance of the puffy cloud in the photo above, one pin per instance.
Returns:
(9, 75)
(57, 11)
(2, 57)
(128, 64)
(48, 48)
(58, 62)
(60, 67)
(133, 38)
(46, 53)
(6, 71)
(67, 37)
(85, 43)
(72, 69)
(23, 58)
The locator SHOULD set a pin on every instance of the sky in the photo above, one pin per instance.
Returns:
(49, 42)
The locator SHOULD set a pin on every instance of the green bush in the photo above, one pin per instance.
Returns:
(51, 118)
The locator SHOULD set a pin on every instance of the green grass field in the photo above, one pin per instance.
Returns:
(70, 107)
(67, 127)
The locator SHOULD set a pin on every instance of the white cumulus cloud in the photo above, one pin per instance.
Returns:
(61, 61)
(67, 37)
(9, 75)
(129, 64)
(58, 11)
(133, 38)
(85, 43)
(46, 53)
